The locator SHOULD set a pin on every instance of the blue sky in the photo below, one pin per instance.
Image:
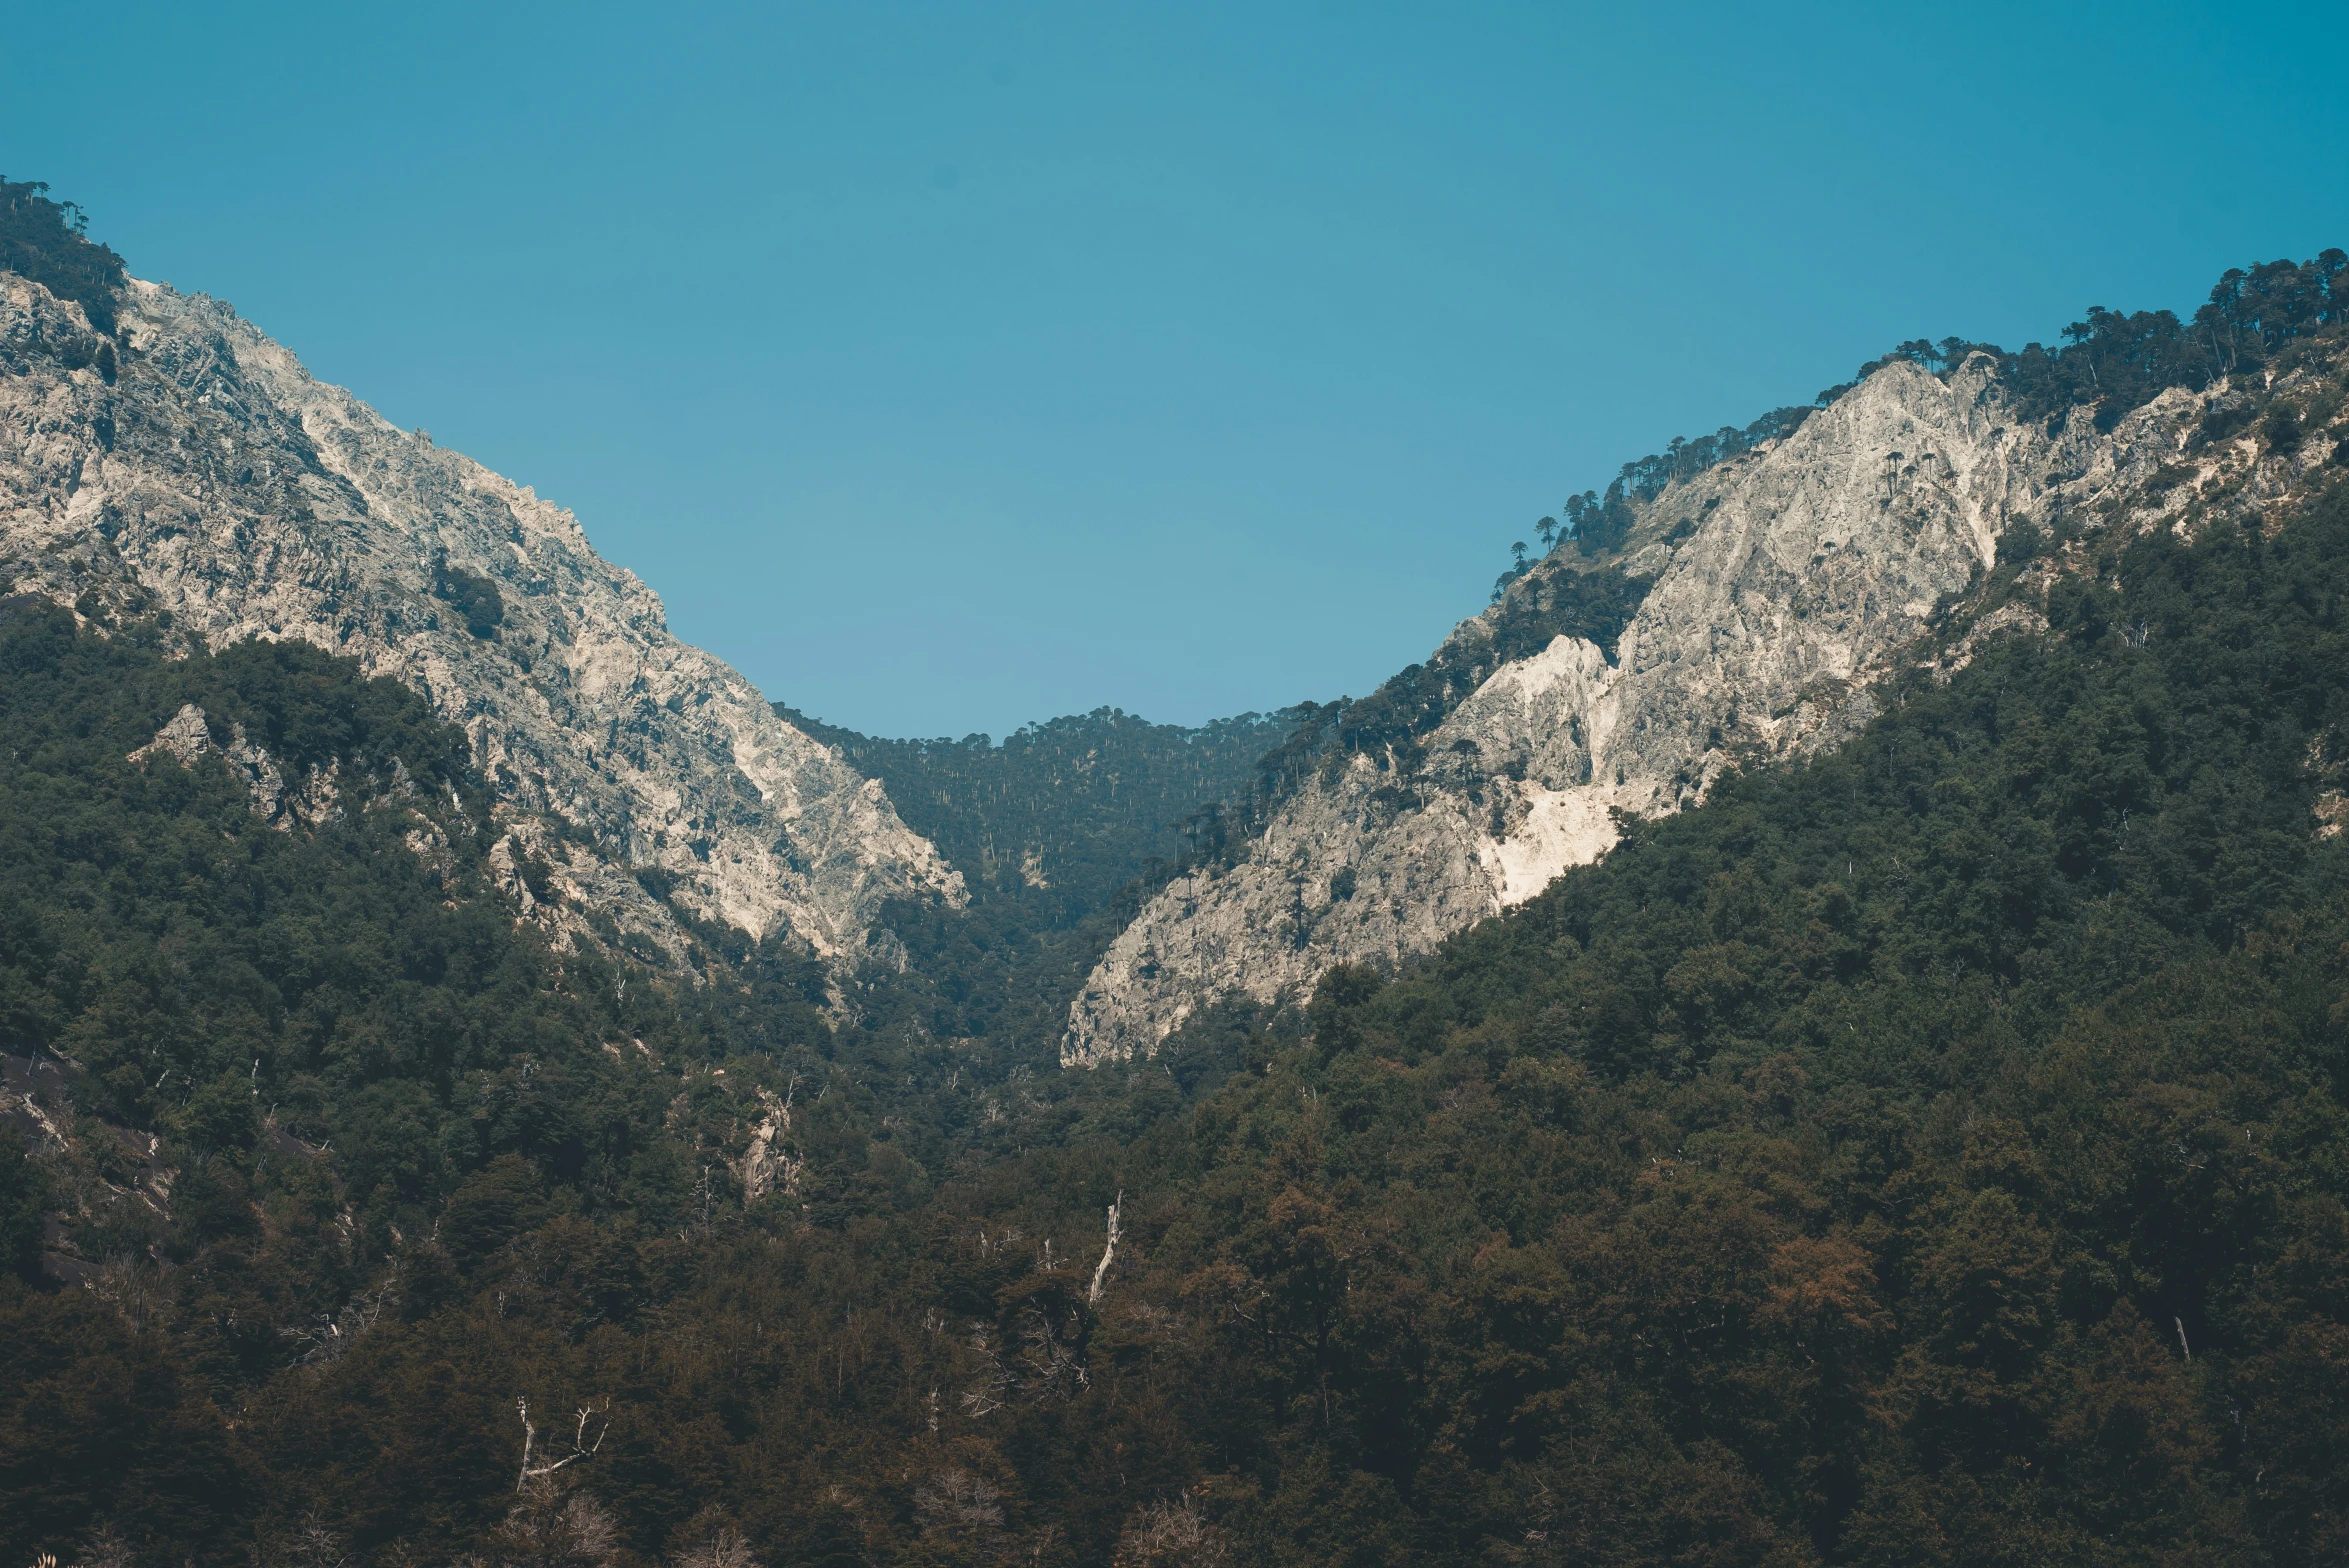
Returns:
(951, 366)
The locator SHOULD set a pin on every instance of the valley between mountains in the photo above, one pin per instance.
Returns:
(1810, 1029)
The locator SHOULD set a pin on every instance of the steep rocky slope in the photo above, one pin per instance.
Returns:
(1782, 581)
(191, 466)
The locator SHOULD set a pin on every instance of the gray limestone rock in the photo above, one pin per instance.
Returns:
(216, 479)
(1784, 582)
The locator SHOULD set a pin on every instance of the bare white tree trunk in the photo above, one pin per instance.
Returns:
(1108, 1256)
(580, 1447)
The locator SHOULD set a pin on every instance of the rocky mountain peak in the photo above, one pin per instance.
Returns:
(196, 469)
(1773, 590)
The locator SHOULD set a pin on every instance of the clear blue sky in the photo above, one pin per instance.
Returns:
(950, 366)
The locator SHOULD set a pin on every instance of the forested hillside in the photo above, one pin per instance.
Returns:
(1751, 611)
(1059, 832)
(1075, 807)
(1843, 1170)
(1929, 1152)
(281, 1084)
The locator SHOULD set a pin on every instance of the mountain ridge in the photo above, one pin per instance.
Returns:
(1869, 511)
(1916, 1140)
(206, 475)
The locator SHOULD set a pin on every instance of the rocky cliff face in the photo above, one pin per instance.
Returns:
(192, 466)
(1783, 583)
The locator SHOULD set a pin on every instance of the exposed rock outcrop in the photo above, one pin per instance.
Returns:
(315, 800)
(769, 1163)
(1783, 583)
(211, 477)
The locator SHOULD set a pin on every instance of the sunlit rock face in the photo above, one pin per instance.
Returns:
(1784, 582)
(215, 479)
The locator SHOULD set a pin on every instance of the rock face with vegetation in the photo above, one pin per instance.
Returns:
(1921, 1148)
(1772, 592)
(179, 461)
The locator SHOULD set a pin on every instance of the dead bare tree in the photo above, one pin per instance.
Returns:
(722, 1547)
(995, 1382)
(549, 1528)
(104, 1549)
(1108, 1255)
(956, 1505)
(580, 1447)
(324, 1340)
(315, 1546)
(1054, 1369)
(1172, 1535)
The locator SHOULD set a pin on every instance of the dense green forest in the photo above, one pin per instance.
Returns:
(1075, 808)
(1060, 832)
(279, 1087)
(1934, 1152)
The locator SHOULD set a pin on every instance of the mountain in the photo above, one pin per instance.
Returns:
(180, 465)
(1923, 1151)
(1915, 1139)
(1754, 607)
